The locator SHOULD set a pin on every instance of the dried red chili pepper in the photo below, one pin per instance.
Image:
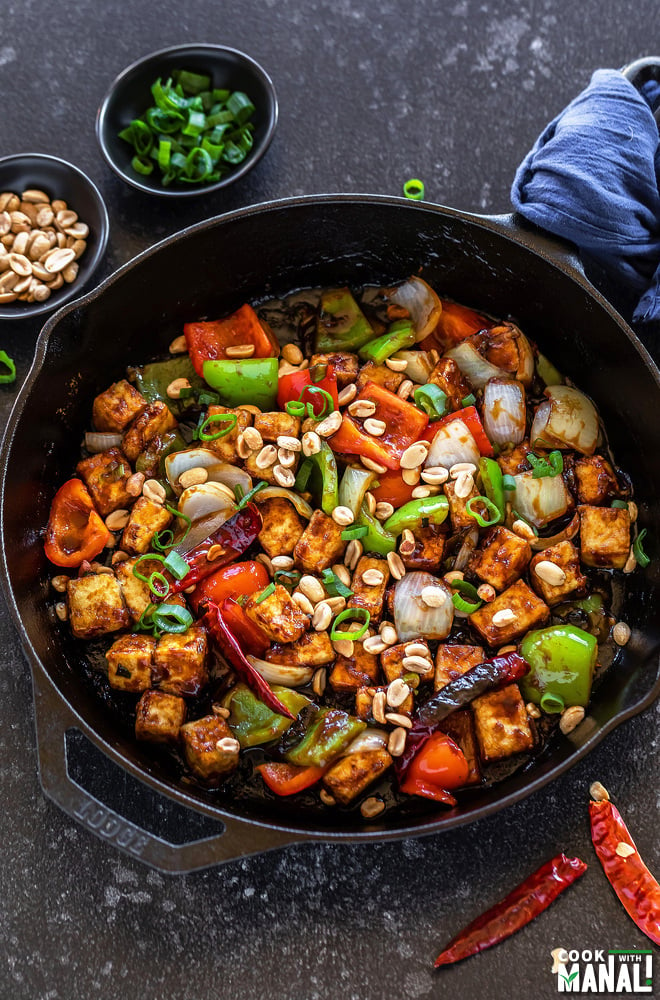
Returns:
(527, 900)
(233, 537)
(631, 880)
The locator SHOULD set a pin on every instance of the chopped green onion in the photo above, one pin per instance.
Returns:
(240, 106)
(357, 531)
(334, 586)
(552, 704)
(466, 607)
(7, 362)
(148, 555)
(242, 501)
(465, 598)
(217, 418)
(326, 399)
(141, 166)
(350, 614)
(414, 189)
(266, 592)
(163, 540)
(619, 504)
(469, 400)
(519, 517)
(289, 578)
(546, 468)
(208, 398)
(508, 483)
(159, 585)
(172, 618)
(145, 621)
(431, 399)
(491, 508)
(192, 83)
(182, 517)
(177, 566)
(638, 549)
(296, 408)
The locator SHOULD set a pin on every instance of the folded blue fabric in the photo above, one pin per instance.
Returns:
(593, 177)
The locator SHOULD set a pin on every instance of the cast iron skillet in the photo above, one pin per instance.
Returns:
(210, 269)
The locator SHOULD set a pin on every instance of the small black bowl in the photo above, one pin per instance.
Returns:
(130, 96)
(59, 180)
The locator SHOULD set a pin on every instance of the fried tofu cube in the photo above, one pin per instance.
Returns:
(448, 376)
(458, 512)
(277, 615)
(381, 375)
(391, 660)
(155, 420)
(159, 717)
(226, 446)
(604, 536)
(364, 699)
(180, 662)
(105, 476)
(130, 661)
(276, 424)
(346, 779)
(114, 409)
(96, 605)
(313, 649)
(369, 595)
(454, 661)
(502, 559)
(136, 593)
(146, 518)
(352, 672)
(527, 611)
(320, 545)
(209, 748)
(514, 460)
(460, 727)
(267, 474)
(566, 556)
(429, 549)
(595, 479)
(344, 363)
(501, 724)
(282, 527)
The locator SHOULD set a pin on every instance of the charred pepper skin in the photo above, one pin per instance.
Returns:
(636, 887)
(521, 906)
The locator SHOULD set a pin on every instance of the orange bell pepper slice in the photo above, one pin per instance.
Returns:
(208, 340)
(455, 324)
(287, 779)
(238, 578)
(75, 531)
(404, 424)
(392, 489)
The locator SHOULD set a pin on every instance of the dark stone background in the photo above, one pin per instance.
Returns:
(370, 94)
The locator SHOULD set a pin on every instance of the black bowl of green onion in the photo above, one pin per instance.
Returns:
(187, 120)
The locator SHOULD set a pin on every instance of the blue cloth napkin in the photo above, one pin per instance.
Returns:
(593, 178)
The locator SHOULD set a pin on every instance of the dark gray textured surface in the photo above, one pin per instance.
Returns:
(370, 95)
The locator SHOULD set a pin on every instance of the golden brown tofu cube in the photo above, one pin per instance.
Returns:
(369, 595)
(381, 375)
(502, 559)
(460, 727)
(501, 724)
(282, 527)
(205, 751)
(180, 662)
(313, 649)
(346, 779)
(136, 593)
(344, 363)
(391, 660)
(352, 672)
(320, 545)
(130, 661)
(155, 420)
(95, 606)
(115, 408)
(159, 717)
(364, 699)
(105, 476)
(604, 536)
(277, 615)
(527, 611)
(429, 549)
(566, 556)
(514, 459)
(268, 474)
(595, 479)
(145, 520)
(458, 512)
(454, 661)
(448, 376)
(275, 424)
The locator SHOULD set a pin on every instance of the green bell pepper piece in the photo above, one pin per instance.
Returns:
(493, 483)
(547, 371)
(399, 336)
(323, 481)
(254, 723)
(411, 515)
(247, 380)
(377, 538)
(152, 381)
(328, 735)
(562, 659)
(341, 324)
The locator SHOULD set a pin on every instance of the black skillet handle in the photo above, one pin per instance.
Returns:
(236, 839)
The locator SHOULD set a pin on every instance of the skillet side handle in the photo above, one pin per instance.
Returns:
(235, 840)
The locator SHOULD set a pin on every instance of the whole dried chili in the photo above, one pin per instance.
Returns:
(230, 540)
(527, 900)
(631, 880)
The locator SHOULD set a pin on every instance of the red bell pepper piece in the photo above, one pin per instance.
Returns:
(404, 424)
(75, 531)
(527, 900)
(392, 489)
(470, 417)
(209, 340)
(440, 765)
(293, 386)
(287, 779)
(250, 637)
(234, 536)
(239, 578)
(637, 889)
(455, 324)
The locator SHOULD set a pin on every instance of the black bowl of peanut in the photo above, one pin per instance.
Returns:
(53, 233)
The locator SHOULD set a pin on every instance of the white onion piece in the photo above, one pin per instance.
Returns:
(200, 531)
(473, 365)
(504, 411)
(368, 739)
(207, 498)
(229, 475)
(567, 419)
(540, 500)
(421, 302)
(354, 484)
(470, 543)
(98, 441)
(526, 363)
(420, 365)
(273, 492)
(453, 443)
(413, 618)
(279, 673)
(203, 458)
(570, 531)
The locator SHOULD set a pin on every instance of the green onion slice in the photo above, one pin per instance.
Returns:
(466, 607)
(172, 618)
(326, 399)
(176, 565)
(289, 578)
(334, 586)
(638, 549)
(519, 517)
(357, 531)
(350, 614)
(159, 585)
(7, 362)
(208, 398)
(217, 418)
(508, 483)
(266, 592)
(242, 501)
(414, 189)
(494, 513)
(543, 468)
(431, 399)
(552, 704)
(469, 400)
(145, 622)
(619, 504)
(296, 408)
(153, 556)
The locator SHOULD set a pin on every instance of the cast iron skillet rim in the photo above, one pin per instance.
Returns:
(504, 226)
